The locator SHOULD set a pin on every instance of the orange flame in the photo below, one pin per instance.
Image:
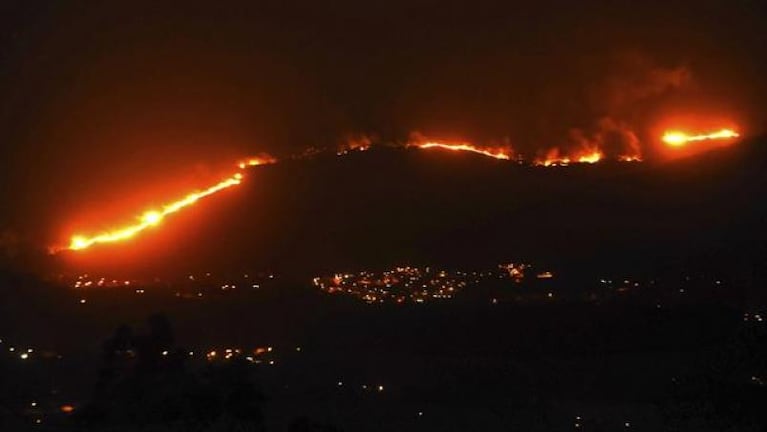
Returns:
(552, 158)
(490, 152)
(591, 157)
(676, 138)
(355, 143)
(555, 158)
(630, 158)
(152, 218)
(256, 161)
(557, 161)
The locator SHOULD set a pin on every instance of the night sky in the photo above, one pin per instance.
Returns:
(139, 100)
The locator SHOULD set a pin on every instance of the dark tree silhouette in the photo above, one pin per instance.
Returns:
(145, 384)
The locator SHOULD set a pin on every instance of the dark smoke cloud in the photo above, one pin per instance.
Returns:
(571, 102)
(636, 79)
(624, 102)
(613, 137)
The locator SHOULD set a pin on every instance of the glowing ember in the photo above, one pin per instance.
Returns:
(490, 152)
(563, 161)
(677, 138)
(588, 155)
(256, 161)
(552, 158)
(356, 143)
(630, 158)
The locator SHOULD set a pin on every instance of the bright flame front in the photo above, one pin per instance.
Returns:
(676, 138)
(151, 217)
(586, 154)
(154, 217)
(555, 157)
(256, 161)
(490, 152)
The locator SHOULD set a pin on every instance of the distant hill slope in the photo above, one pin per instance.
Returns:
(388, 206)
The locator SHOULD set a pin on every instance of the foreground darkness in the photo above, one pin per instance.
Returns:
(693, 364)
(686, 352)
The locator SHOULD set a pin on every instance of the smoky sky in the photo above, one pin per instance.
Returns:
(101, 99)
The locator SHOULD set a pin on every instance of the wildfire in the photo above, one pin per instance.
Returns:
(677, 138)
(490, 152)
(589, 153)
(256, 161)
(355, 143)
(630, 158)
(557, 161)
(553, 158)
(154, 217)
(591, 157)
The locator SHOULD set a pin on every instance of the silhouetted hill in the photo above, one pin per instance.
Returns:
(389, 206)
